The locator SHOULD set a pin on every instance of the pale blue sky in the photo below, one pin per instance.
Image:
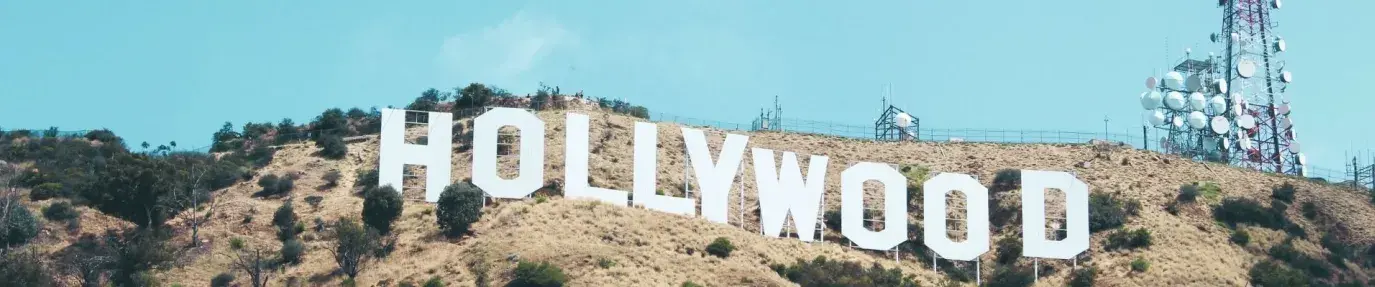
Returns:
(175, 70)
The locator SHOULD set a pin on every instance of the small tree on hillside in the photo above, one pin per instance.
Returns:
(256, 262)
(353, 246)
(285, 221)
(459, 207)
(381, 207)
(332, 147)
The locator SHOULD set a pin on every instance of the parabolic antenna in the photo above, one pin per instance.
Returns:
(1279, 45)
(1246, 122)
(1197, 102)
(1226, 142)
(1236, 37)
(1294, 147)
(1303, 160)
(1218, 104)
(1174, 100)
(1220, 125)
(1283, 109)
(1150, 100)
(1197, 120)
(1151, 82)
(1244, 143)
(1276, 4)
(1157, 118)
(1286, 76)
(1178, 122)
(1246, 68)
(1221, 86)
(1286, 123)
(1194, 83)
(903, 120)
(1174, 80)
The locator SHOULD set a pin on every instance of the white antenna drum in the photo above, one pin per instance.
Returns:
(1150, 100)
(1280, 45)
(1220, 125)
(1303, 159)
(1197, 120)
(1194, 83)
(1245, 143)
(1178, 122)
(1246, 68)
(1174, 80)
(1283, 109)
(1218, 104)
(1294, 147)
(903, 120)
(1197, 102)
(1246, 122)
(1157, 118)
(1151, 82)
(1221, 86)
(1276, 4)
(1175, 101)
(1287, 77)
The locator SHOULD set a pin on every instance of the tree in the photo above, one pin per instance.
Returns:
(473, 95)
(87, 259)
(285, 221)
(353, 246)
(332, 147)
(223, 138)
(256, 262)
(286, 131)
(23, 268)
(292, 251)
(20, 225)
(459, 207)
(381, 207)
(428, 101)
(331, 122)
(357, 114)
(134, 252)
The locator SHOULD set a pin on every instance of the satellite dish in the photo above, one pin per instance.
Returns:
(1303, 160)
(1174, 80)
(903, 120)
(1157, 118)
(1221, 86)
(1197, 120)
(1283, 109)
(1246, 68)
(1218, 104)
(1286, 123)
(1174, 100)
(1220, 125)
(1246, 122)
(1294, 147)
(1194, 83)
(1226, 142)
(1178, 122)
(1286, 76)
(1244, 143)
(1151, 82)
(1197, 102)
(1279, 45)
(1150, 100)
(1212, 37)
(1276, 4)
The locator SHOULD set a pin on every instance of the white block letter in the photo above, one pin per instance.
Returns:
(1034, 243)
(976, 206)
(785, 192)
(894, 206)
(531, 175)
(714, 178)
(646, 174)
(394, 152)
(575, 169)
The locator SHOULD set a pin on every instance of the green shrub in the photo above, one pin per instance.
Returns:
(1140, 265)
(529, 274)
(1125, 239)
(1009, 249)
(1083, 277)
(47, 191)
(1309, 210)
(285, 221)
(721, 247)
(332, 178)
(822, 272)
(832, 219)
(275, 185)
(332, 147)
(434, 282)
(1105, 212)
(236, 243)
(1268, 273)
(1188, 193)
(1240, 237)
(459, 207)
(20, 227)
(222, 280)
(293, 251)
(60, 211)
(1313, 266)
(1235, 210)
(690, 284)
(606, 263)
(381, 207)
(1283, 192)
(314, 200)
(1006, 180)
(366, 179)
(1012, 277)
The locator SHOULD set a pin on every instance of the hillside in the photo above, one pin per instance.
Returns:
(650, 248)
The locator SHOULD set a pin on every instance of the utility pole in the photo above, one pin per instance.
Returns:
(1105, 127)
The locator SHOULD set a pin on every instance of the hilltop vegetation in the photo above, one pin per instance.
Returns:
(296, 205)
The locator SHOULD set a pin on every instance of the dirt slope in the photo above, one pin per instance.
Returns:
(657, 249)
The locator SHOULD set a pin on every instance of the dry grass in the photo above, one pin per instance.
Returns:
(658, 249)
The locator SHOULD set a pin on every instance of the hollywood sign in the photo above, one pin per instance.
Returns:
(782, 190)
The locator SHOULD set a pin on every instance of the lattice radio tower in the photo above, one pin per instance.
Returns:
(1266, 140)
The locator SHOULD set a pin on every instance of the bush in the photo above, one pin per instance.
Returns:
(1313, 266)
(293, 251)
(1105, 212)
(46, 191)
(236, 243)
(690, 284)
(823, 272)
(275, 185)
(24, 268)
(721, 247)
(832, 219)
(1309, 210)
(1083, 277)
(352, 246)
(332, 178)
(1124, 239)
(1188, 193)
(1006, 180)
(1283, 192)
(332, 147)
(19, 227)
(1244, 210)
(367, 179)
(1240, 237)
(285, 221)
(1268, 273)
(1140, 265)
(459, 207)
(529, 274)
(222, 280)
(1012, 277)
(1009, 249)
(60, 211)
(381, 207)
(314, 200)
(434, 282)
